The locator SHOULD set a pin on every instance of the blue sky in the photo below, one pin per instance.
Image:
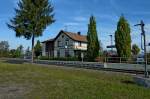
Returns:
(75, 14)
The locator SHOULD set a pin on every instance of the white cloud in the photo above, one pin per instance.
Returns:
(80, 18)
(71, 24)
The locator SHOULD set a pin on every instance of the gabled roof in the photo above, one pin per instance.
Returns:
(76, 37)
(73, 36)
(50, 40)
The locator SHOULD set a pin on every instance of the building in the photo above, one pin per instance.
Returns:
(65, 44)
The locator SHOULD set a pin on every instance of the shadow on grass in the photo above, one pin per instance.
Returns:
(128, 82)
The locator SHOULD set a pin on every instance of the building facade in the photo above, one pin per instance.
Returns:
(65, 44)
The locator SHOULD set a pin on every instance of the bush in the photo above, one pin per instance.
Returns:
(44, 58)
(59, 58)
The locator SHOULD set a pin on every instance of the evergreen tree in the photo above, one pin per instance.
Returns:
(135, 49)
(93, 42)
(38, 49)
(123, 38)
(31, 19)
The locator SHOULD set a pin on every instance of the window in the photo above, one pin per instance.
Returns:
(62, 36)
(58, 53)
(67, 42)
(59, 44)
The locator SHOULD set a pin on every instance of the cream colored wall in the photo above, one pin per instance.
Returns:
(82, 47)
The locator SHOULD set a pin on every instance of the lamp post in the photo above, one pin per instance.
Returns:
(111, 42)
(145, 52)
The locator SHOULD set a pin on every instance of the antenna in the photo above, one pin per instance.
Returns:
(66, 27)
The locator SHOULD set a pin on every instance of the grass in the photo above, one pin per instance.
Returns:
(26, 81)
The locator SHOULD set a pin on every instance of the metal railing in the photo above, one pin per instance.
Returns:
(123, 60)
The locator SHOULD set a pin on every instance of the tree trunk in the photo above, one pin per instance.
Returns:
(33, 48)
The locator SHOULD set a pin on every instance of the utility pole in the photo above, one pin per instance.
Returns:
(145, 51)
(111, 42)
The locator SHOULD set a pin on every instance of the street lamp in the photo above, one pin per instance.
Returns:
(111, 42)
(145, 52)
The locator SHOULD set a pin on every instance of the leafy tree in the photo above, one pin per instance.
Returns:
(123, 38)
(92, 38)
(38, 49)
(135, 49)
(16, 53)
(31, 19)
(28, 53)
(4, 48)
(12, 53)
(4, 45)
(19, 51)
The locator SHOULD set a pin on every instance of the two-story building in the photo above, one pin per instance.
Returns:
(65, 44)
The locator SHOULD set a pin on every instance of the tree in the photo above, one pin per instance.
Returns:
(4, 48)
(123, 38)
(19, 51)
(135, 49)
(20, 48)
(100, 48)
(92, 38)
(31, 19)
(12, 53)
(28, 52)
(38, 49)
(4, 45)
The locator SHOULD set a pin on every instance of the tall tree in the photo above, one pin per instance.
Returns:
(19, 51)
(4, 45)
(31, 19)
(27, 52)
(123, 38)
(4, 48)
(93, 42)
(135, 49)
(38, 49)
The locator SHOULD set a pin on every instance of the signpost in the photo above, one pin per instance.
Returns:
(82, 56)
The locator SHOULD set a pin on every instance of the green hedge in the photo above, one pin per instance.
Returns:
(60, 58)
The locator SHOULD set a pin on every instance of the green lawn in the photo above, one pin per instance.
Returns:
(26, 81)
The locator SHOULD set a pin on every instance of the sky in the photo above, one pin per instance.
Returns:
(73, 16)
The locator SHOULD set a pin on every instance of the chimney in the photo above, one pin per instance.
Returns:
(79, 33)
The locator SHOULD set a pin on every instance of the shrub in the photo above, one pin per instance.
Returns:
(59, 58)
